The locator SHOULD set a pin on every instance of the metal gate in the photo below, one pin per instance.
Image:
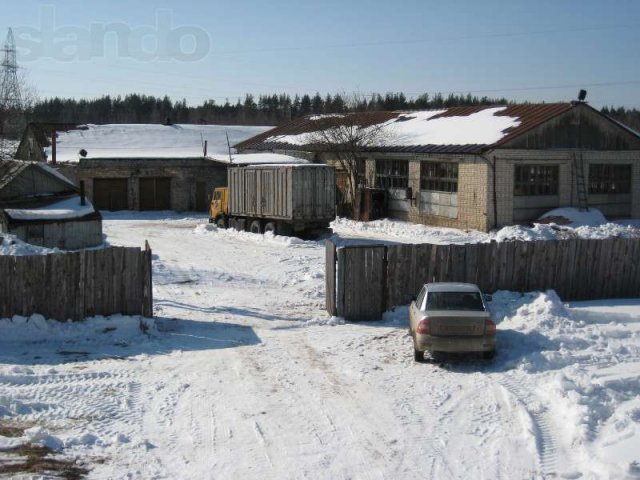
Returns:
(155, 193)
(110, 193)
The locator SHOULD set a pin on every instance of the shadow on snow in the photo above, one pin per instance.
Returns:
(171, 335)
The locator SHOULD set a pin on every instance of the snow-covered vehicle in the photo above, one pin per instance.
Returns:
(451, 318)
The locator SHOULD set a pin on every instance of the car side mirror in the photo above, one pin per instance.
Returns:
(488, 297)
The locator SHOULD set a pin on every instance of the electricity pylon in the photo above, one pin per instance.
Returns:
(11, 108)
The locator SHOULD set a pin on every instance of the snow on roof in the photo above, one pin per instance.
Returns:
(589, 218)
(149, 141)
(421, 128)
(64, 209)
(259, 158)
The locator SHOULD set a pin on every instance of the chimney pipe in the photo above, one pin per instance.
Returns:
(53, 146)
(82, 198)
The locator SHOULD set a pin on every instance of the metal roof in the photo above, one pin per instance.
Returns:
(11, 169)
(529, 116)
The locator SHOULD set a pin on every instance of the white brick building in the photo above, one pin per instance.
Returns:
(486, 167)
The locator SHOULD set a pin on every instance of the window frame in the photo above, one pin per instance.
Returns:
(609, 181)
(540, 180)
(392, 174)
(440, 177)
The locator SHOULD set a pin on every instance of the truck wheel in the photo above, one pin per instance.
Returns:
(489, 355)
(220, 223)
(255, 227)
(271, 227)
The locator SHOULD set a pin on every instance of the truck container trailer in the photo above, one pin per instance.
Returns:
(283, 199)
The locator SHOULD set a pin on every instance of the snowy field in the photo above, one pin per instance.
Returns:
(243, 375)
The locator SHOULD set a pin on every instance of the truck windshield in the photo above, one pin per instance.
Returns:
(455, 301)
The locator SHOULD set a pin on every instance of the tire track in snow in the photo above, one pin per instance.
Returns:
(544, 431)
(103, 400)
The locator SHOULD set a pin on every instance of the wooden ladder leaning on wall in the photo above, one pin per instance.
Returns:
(581, 187)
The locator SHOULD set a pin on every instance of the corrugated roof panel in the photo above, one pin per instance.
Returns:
(529, 116)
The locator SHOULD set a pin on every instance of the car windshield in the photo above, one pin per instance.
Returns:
(455, 301)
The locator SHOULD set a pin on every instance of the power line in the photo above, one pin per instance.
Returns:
(433, 40)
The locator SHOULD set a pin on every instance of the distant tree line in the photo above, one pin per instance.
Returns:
(630, 117)
(273, 109)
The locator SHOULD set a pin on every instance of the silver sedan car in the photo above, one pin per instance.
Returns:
(451, 318)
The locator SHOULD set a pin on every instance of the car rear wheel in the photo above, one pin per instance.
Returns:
(418, 356)
(255, 227)
(438, 357)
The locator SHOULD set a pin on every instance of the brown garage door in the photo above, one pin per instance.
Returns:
(110, 193)
(202, 197)
(155, 193)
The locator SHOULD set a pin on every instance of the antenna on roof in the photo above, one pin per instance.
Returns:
(226, 132)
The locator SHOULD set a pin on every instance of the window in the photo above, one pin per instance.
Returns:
(535, 180)
(420, 298)
(392, 174)
(609, 178)
(471, 301)
(439, 176)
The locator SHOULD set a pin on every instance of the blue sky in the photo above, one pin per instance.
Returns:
(535, 50)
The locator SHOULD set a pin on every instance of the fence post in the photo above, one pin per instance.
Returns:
(330, 277)
(340, 307)
(147, 287)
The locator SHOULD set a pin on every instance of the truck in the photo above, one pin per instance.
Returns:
(283, 199)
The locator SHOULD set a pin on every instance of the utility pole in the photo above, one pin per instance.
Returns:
(11, 107)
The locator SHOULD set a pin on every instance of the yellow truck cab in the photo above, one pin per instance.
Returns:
(219, 208)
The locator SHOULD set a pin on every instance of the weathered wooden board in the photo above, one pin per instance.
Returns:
(77, 285)
(578, 269)
(330, 277)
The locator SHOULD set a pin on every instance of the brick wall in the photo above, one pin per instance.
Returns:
(567, 184)
(184, 174)
(475, 206)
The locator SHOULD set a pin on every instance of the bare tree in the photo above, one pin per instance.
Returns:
(347, 137)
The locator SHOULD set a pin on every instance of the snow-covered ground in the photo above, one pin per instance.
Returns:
(582, 225)
(242, 374)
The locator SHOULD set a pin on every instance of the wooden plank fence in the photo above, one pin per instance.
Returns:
(77, 285)
(365, 280)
